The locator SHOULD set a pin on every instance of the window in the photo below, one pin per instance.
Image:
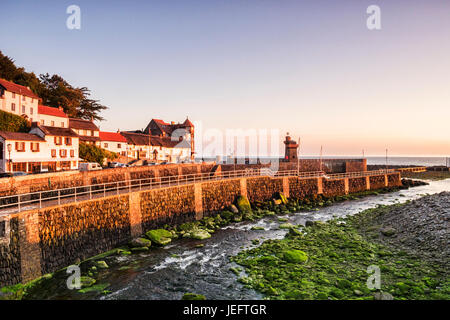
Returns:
(88, 132)
(20, 146)
(62, 124)
(68, 141)
(92, 134)
(72, 153)
(23, 98)
(58, 141)
(63, 153)
(119, 145)
(24, 109)
(13, 107)
(53, 123)
(13, 95)
(35, 146)
(53, 153)
(42, 122)
(81, 132)
(32, 100)
(31, 110)
(105, 145)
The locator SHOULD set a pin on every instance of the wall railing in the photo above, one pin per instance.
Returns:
(33, 200)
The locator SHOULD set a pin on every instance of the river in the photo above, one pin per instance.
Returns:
(169, 272)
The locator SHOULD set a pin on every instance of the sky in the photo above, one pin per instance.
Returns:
(311, 68)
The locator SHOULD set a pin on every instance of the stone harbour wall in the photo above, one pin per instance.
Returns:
(40, 241)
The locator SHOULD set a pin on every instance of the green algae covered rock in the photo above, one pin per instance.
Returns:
(86, 281)
(193, 296)
(286, 226)
(101, 264)
(243, 204)
(295, 256)
(160, 236)
(140, 242)
(199, 234)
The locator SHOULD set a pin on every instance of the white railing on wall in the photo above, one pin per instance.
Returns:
(33, 200)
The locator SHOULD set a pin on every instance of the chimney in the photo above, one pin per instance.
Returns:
(92, 118)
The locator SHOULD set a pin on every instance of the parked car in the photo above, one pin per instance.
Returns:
(89, 166)
(114, 165)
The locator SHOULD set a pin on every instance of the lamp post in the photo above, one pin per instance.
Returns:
(9, 160)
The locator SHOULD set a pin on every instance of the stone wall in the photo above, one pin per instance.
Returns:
(357, 185)
(36, 242)
(261, 189)
(172, 205)
(377, 182)
(219, 194)
(78, 231)
(10, 270)
(332, 188)
(303, 188)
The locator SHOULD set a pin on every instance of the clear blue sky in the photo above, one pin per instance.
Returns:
(308, 67)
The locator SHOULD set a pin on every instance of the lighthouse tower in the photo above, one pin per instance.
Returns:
(291, 147)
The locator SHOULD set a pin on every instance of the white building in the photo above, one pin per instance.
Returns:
(18, 100)
(114, 142)
(158, 149)
(52, 117)
(87, 130)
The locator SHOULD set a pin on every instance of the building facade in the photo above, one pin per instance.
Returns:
(18, 100)
(87, 130)
(114, 142)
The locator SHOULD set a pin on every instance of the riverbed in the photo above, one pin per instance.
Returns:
(184, 266)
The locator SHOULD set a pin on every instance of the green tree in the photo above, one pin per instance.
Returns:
(13, 123)
(93, 153)
(54, 91)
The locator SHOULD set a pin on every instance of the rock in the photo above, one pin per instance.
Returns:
(86, 281)
(234, 209)
(159, 236)
(388, 231)
(243, 204)
(295, 256)
(193, 296)
(257, 228)
(382, 296)
(286, 226)
(227, 215)
(309, 223)
(101, 264)
(276, 202)
(357, 292)
(140, 242)
(199, 234)
(139, 249)
(295, 232)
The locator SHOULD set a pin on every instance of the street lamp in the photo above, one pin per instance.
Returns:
(9, 152)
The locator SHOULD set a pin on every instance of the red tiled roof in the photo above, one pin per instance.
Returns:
(20, 136)
(56, 112)
(82, 124)
(55, 131)
(112, 136)
(17, 88)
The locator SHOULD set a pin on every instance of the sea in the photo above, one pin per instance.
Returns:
(391, 160)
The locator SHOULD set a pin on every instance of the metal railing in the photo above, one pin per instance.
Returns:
(39, 199)
(412, 169)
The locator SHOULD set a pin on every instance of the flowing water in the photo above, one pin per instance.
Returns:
(168, 273)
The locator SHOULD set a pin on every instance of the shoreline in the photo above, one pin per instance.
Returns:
(338, 253)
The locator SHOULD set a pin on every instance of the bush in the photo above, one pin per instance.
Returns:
(13, 123)
(93, 153)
